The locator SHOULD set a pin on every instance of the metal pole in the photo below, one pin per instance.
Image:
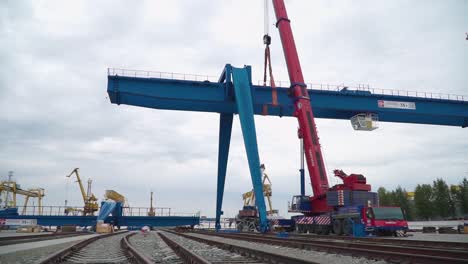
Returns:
(302, 167)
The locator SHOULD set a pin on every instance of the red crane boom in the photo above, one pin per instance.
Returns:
(303, 111)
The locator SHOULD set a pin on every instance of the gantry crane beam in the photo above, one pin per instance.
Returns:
(217, 97)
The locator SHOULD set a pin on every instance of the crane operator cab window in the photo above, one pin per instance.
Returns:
(369, 213)
(387, 213)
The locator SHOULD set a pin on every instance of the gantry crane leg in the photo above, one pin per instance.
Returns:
(243, 97)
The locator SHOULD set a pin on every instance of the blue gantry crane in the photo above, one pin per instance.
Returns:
(234, 93)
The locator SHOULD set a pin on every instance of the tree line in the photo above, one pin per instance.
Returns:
(430, 201)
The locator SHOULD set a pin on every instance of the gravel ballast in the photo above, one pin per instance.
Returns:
(320, 257)
(33, 255)
(210, 253)
(153, 247)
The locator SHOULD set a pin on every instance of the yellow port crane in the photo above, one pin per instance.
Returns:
(247, 220)
(38, 193)
(8, 187)
(90, 201)
(249, 197)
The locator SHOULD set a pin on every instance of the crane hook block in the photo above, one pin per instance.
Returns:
(266, 39)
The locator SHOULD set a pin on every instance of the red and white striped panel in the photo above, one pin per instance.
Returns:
(322, 220)
(305, 220)
(318, 220)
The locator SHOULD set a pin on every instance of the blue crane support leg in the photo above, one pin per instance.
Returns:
(243, 93)
(225, 128)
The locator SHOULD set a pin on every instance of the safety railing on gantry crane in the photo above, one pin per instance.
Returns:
(313, 86)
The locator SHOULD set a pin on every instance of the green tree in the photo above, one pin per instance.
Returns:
(423, 197)
(460, 196)
(464, 196)
(454, 200)
(384, 197)
(400, 198)
(442, 199)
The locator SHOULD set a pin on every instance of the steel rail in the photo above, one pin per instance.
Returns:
(382, 251)
(419, 243)
(134, 253)
(380, 240)
(183, 252)
(129, 250)
(62, 254)
(33, 238)
(248, 252)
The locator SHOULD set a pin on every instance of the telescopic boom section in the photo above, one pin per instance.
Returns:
(303, 110)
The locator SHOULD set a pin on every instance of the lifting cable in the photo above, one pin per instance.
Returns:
(267, 61)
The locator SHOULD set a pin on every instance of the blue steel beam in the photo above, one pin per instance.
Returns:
(207, 96)
(140, 221)
(47, 220)
(225, 129)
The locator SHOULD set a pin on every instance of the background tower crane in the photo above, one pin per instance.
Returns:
(90, 201)
(247, 220)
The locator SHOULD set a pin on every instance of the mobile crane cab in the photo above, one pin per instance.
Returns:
(386, 220)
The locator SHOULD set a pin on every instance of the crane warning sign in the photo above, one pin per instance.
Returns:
(396, 104)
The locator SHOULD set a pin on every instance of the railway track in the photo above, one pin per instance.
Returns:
(255, 254)
(109, 248)
(153, 246)
(394, 241)
(191, 251)
(33, 238)
(370, 249)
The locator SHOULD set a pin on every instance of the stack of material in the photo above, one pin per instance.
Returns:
(68, 228)
(351, 198)
(103, 228)
(29, 229)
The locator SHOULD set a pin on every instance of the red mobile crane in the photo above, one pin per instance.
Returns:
(330, 209)
(303, 111)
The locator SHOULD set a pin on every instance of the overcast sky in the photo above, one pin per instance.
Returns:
(55, 114)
